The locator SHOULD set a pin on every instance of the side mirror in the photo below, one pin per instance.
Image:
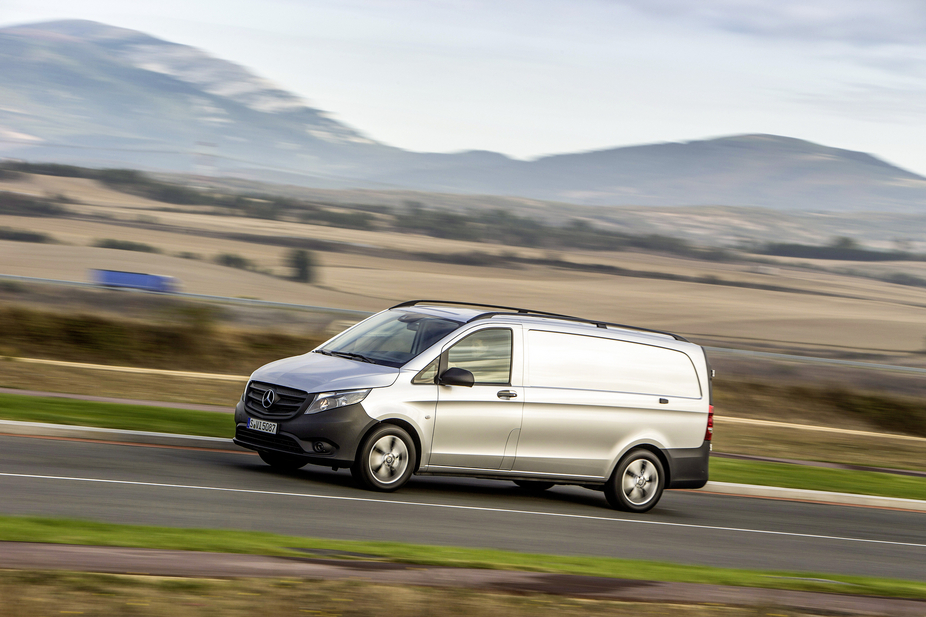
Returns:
(457, 377)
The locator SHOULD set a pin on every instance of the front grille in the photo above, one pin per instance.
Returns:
(266, 441)
(288, 402)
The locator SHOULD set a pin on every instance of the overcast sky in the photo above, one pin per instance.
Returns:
(533, 77)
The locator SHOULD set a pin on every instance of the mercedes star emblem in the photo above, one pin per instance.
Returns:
(269, 398)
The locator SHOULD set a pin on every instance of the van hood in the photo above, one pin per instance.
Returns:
(314, 372)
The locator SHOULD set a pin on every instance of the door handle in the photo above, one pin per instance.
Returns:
(507, 394)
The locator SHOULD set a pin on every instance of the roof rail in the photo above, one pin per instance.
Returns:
(600, 324)
(477, 304)
(508, 310)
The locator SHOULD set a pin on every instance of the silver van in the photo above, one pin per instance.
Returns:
(458, 389)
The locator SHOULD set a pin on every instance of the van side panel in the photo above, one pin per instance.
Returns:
(588, 399)
(560, 360)
(582, 432)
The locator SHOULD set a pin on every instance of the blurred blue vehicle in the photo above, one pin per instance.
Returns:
(135, 280)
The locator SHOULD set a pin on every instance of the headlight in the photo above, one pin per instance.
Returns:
(333, 400)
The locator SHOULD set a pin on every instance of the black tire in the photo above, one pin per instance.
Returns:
(282, 462)
(385, 459)
(534, 485)
(637, 483)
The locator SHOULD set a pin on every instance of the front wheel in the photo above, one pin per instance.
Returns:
(385, 460)
(637, 483)
(282, 462)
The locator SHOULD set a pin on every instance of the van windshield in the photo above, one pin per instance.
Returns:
(391, 338)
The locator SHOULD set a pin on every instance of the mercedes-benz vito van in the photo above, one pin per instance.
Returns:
(429, 387)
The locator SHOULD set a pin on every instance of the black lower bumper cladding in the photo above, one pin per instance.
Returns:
(688, 467)
(329, 438)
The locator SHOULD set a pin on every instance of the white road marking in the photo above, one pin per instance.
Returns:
(459, 507)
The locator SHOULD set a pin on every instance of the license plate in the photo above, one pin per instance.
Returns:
(264, 427)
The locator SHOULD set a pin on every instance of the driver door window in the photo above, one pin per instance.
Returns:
(486, 354)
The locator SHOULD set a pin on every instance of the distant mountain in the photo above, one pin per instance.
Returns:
(745, 170)
(85, 92)
(91, 94)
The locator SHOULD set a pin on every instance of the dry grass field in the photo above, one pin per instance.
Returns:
(798, 310)
(861, 316)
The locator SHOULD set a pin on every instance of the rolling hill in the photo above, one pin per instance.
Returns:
(91, 94)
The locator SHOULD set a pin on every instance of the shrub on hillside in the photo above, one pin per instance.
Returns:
(21, 235)
(333, 218)
(303, 264)
(234, 260)
(125, 245)
(902, 278)
(25, 205)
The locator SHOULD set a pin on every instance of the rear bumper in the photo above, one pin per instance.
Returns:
(688, 467)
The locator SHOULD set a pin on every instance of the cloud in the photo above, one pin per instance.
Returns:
(854, 22)
(873, 103)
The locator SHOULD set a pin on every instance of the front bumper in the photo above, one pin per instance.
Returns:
(328, 438)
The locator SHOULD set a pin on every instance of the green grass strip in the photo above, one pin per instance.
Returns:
(818, 478)
(214, 424)
(69, 531)
(115, 415)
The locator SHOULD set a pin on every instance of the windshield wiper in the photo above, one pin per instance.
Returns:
(350, 355)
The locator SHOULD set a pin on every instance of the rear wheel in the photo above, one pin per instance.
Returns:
(534, 485)
(637, 483)
(282, 462)
(385, 460)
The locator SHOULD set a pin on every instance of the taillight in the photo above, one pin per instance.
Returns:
(710, 423)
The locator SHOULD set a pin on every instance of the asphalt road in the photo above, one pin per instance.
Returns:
(196, 488)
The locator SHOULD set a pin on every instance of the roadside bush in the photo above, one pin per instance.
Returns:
(12, 287)
(188, 338)
(900, 414)
(125, 245)
(887, 412)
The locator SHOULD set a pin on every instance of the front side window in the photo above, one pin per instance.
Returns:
(486, 354)
(427, 375)
(391, 338)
